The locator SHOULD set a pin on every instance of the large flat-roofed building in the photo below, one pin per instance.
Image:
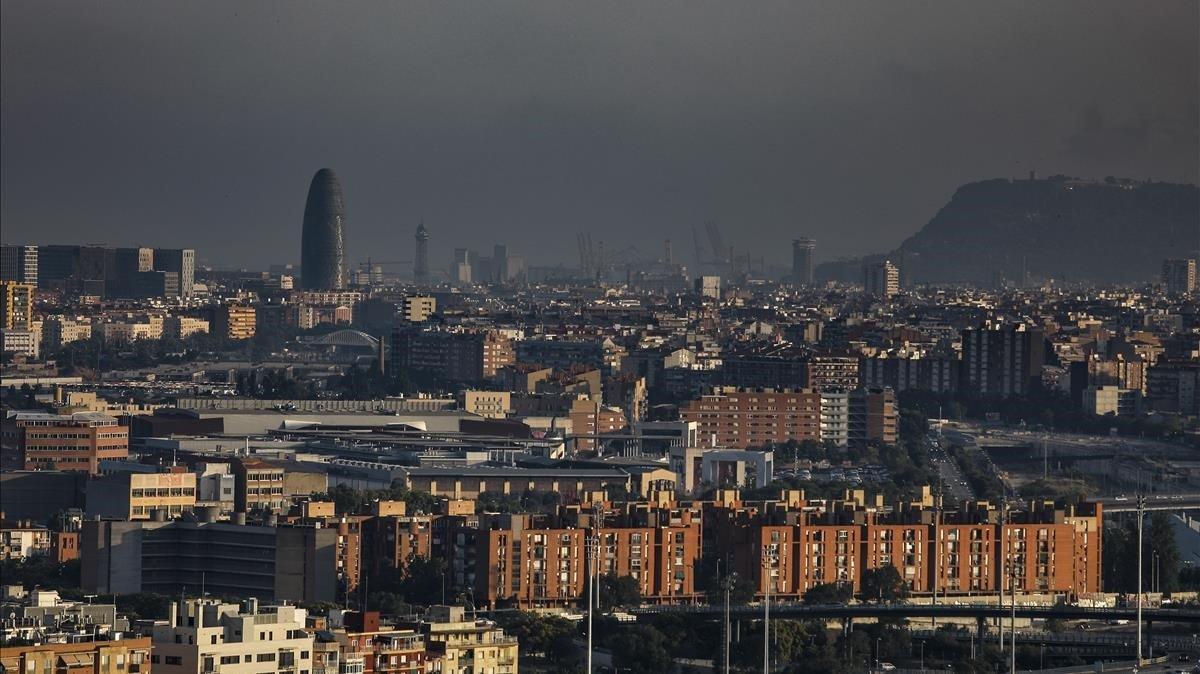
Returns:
(205, 636)
(471, 481)
(744, 418)
(457, 356)
(294, 563)
(137, 496)
(78, 442)
(39, 495)
(272, 485)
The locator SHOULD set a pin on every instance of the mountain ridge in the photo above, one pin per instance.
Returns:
(1113, 230)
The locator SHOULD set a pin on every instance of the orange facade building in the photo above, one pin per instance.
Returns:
(72, 442)
(743, 418)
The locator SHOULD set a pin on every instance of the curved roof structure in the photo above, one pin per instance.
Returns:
(347, 338)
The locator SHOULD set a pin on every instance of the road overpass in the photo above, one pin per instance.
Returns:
(977, 611)
(1128, 504)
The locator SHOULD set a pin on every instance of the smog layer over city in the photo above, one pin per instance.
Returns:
(485, 338)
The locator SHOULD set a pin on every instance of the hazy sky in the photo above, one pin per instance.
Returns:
(200, 124)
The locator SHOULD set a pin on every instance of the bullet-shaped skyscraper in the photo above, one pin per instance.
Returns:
(322, 247)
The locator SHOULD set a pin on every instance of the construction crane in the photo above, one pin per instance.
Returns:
(372, 263)
(720, 252)
(587, 255)
(699, 248)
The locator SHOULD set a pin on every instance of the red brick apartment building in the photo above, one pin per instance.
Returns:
(968, 551)
(742, 418)
(541, 560)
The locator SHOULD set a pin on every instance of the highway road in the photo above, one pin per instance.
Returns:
(954, 485)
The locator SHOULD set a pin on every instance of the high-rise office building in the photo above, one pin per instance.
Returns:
(460, 271)
(1002, 360)
(128, 263)
(802, 260)
(322, 246)
(17, 301)
(500, 272)
(179, 261)
(421, 260)
(881, 279)
(87, 270)
(19, 263)
(1179, 276)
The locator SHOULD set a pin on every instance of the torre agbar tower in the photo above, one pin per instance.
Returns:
(322, 248)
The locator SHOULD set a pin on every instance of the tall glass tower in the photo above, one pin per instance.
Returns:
(322, 247)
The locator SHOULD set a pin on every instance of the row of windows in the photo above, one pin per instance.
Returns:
(163, 491)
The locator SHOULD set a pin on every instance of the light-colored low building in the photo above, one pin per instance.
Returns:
(24, 541)
(206, 636)
(468, 646)
(489, 404)
(20, 341)
(698, 467)
(180, 327)
(60, 330)
(1114, 400)
(127, 331)
(418, 308)
(136, 496)
(92, 654)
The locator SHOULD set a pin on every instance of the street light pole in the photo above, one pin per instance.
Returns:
(593, 545)
(1141, 515)
(1004, 559)
(768, 557)
(728, 583)
(1012, 625)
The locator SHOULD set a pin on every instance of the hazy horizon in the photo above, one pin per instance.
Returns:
(196, 125)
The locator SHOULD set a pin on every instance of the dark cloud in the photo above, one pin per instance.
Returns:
(852, 122)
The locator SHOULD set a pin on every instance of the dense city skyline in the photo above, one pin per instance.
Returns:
(851, 123)
(647, 338)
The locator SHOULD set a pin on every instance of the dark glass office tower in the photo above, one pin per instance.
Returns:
(322, 248)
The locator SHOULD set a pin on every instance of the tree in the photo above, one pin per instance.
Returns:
(424, 581)
(641, 649)
(1161, 556)
(618, 592)
(884, 585)
(546, 635)
(828, 593)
